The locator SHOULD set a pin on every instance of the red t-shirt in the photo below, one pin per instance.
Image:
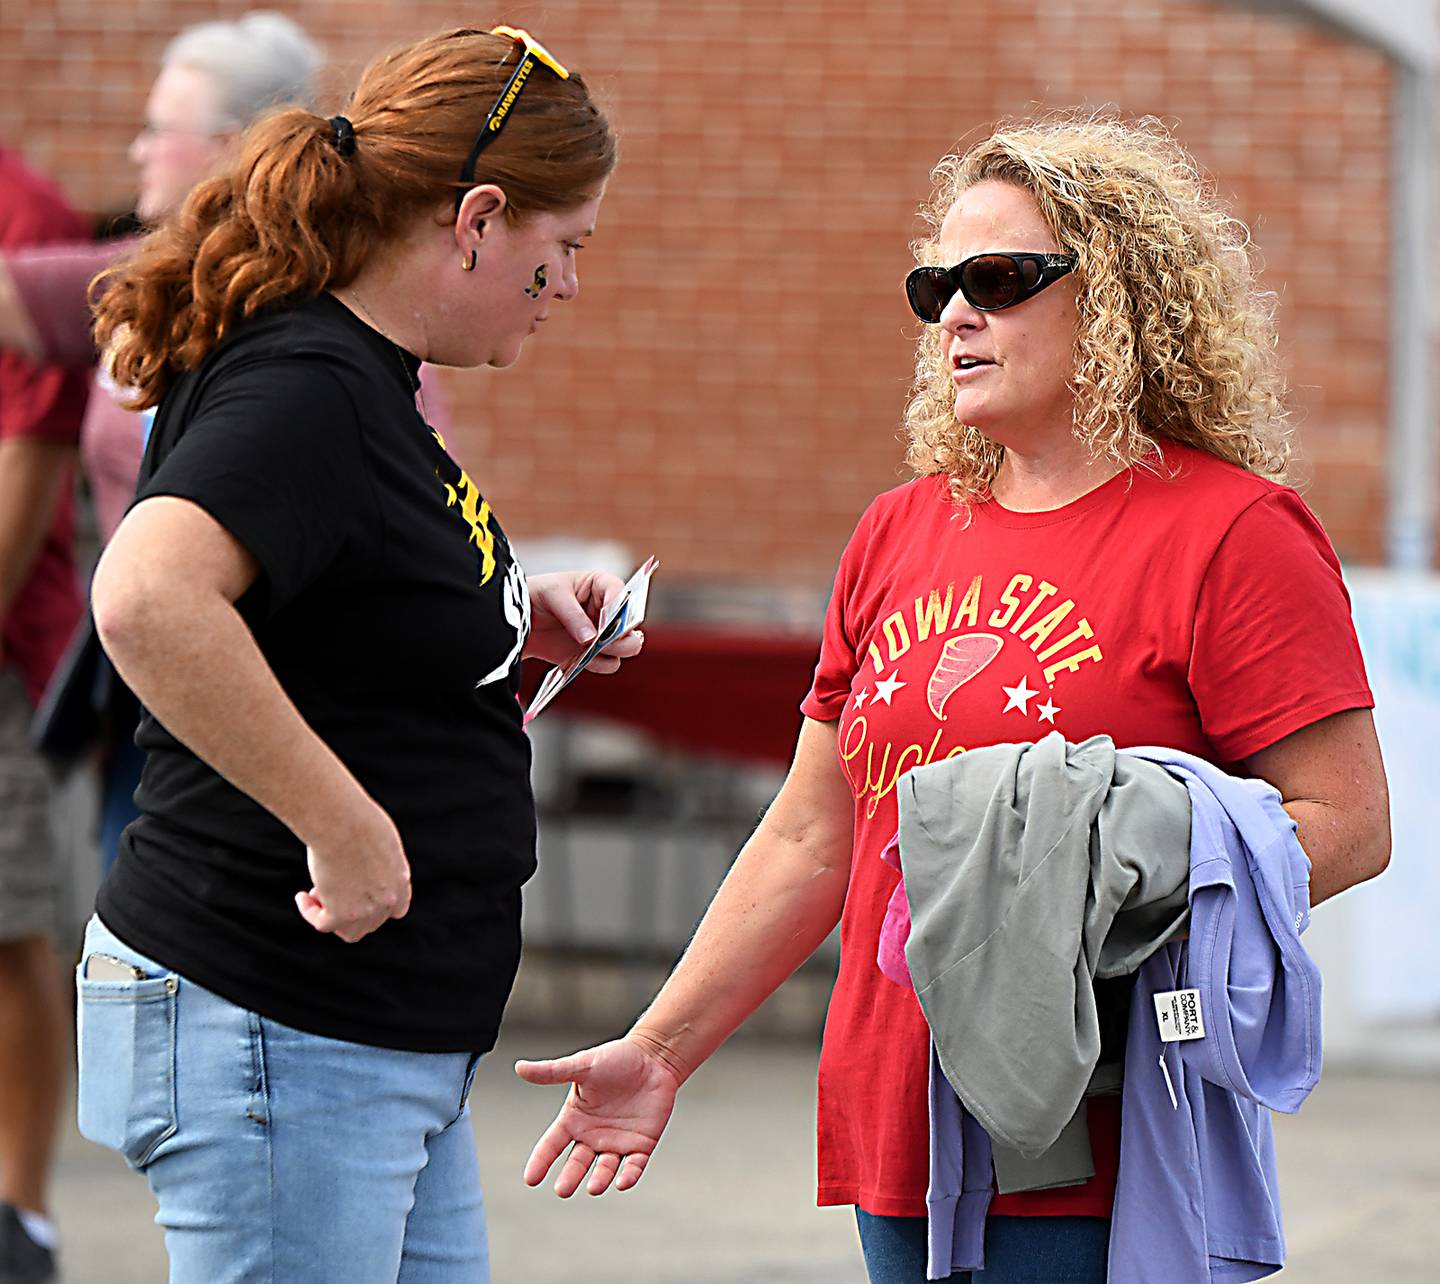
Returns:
(45, 403)
(1196, 606)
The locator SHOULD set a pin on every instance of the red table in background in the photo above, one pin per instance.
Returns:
(725, 692)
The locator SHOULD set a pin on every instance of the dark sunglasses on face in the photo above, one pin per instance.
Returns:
(989, 282)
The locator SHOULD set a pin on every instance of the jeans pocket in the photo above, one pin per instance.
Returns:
(126, 1042)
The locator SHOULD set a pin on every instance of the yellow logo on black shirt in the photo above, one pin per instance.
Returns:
(475, 509)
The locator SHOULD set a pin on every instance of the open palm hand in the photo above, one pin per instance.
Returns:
(621, 1096)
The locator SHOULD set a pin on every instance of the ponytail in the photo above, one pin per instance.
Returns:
(288, 222)
(309, 201)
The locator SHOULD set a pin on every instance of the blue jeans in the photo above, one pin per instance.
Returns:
(1018, 1250)
(275, 1155)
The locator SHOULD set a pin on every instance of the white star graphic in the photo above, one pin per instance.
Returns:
(1047, 712)
(1020, 696)
(860, 698)
(885, 689)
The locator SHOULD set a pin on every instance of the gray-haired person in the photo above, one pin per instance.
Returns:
(214, 80)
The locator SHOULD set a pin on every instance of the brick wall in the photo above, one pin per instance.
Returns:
(727, 390)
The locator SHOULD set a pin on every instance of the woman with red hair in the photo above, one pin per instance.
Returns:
(311, 930)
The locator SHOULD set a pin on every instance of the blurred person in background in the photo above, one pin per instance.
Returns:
(215, 79)
(316, 919)
(1098, 429)
(41, 407)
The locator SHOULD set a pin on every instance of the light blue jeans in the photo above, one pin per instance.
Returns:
(278, 1156)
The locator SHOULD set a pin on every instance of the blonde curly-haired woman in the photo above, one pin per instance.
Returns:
(1098, 540)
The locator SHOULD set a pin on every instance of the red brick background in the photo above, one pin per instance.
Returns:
(727, 390)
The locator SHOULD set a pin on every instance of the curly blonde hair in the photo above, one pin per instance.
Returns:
(1174, 337)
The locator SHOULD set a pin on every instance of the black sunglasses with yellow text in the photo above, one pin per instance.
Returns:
(532, 53)
(989, 282)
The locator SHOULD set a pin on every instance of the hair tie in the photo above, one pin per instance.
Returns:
(343, 136)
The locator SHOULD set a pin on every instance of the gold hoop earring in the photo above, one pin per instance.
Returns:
(467, 264)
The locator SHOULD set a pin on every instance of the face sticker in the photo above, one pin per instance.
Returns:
(537, 287)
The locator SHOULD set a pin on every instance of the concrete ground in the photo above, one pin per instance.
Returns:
(729, 1197)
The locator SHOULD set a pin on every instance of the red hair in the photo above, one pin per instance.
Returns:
(295, 217)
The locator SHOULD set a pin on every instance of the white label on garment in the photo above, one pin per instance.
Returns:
(1178, 1012)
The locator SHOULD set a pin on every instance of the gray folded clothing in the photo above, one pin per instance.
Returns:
(1031, 870)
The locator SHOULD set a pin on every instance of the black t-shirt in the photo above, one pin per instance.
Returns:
(393, 614)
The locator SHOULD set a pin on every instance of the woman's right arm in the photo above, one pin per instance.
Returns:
(164, 599)
(778, 903)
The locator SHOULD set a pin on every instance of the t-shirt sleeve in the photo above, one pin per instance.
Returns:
(40, 402)
(838, 661)
(53, 283)
(1274, 646)
(274, 454)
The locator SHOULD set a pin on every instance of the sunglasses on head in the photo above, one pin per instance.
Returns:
(989, 282)
(533, 52)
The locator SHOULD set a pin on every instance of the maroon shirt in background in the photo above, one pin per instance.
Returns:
(46, 403)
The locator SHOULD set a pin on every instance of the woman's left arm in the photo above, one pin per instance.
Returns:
(1332, 782)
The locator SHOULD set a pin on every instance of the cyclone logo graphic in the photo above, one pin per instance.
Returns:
(961, 660)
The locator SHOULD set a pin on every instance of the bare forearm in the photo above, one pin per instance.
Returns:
(196, 667)
(1332, 779)
(1345, 847)
(779, 902)
(32, 474)
(18, 551)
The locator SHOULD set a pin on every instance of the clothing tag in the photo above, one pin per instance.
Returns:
(1178, 1012)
